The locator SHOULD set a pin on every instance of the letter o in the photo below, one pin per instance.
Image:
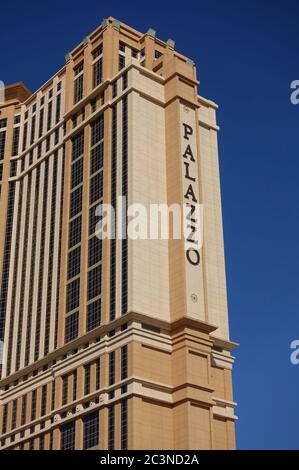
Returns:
(197, 256)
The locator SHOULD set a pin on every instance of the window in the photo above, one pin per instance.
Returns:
(15, 141)
(97, 130)
(58, 86)
(121, 62)
(97, 52)
(33, 405)
(53, 396)
(49, 118)
(73, 293)
(93, 105)
(42, 101)
(48, 142)
(75, 231)
(4, 418)
(78, 145)
(56, 136)
(93, 315)
(41, 123)
(58, 105)
(42, 442)
(97, 157)
(2, 144)
(68, 436)
(97, 73)
(111, 420)
(75, 385)
(134, 53)
(78, 89)
(94, 283)
(75, 120)
(112, 368)
(157, 54)
(3, 123)
(125, 80)
(124, 424)
(124, 362)
(94, 251)
(91, 430)
(122, 47)
(87, 379)
(14, 414)
(77, 173)
(114, 89)
(71, 327)
(113, 202)
(93, 220)
(24, 409)
(96, 187)
(51, 441)
(24, 138)
(98, 374)
(44, 400)
(78, 69)
(124, 243)
(17, 119)
(74, 262)
(76, 202)
(64, 390)
(50, 93)
(39, 151)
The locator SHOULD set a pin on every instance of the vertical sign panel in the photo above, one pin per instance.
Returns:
(192, 216)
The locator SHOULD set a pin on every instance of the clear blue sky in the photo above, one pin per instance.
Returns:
(247, 55)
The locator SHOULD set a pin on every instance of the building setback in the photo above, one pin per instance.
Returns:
(111, 344)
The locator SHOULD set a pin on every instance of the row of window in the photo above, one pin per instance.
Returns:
(69, 389)
(91, 429)
(15, 274)
(75, 226)
(32, 184)
(38, 127)
(90, 433)
(97, 71)
(37, 153)
(33, 443)
(28, 403)
(41, 102)
(50, 364)
(67, 434)
(2, 144)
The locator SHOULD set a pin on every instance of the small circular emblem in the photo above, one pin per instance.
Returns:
(194, 298)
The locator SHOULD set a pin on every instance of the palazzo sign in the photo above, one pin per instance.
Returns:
(192, 220)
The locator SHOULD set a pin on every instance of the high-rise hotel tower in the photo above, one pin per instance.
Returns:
(117, 343)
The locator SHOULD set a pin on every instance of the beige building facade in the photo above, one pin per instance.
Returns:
(113, 343)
